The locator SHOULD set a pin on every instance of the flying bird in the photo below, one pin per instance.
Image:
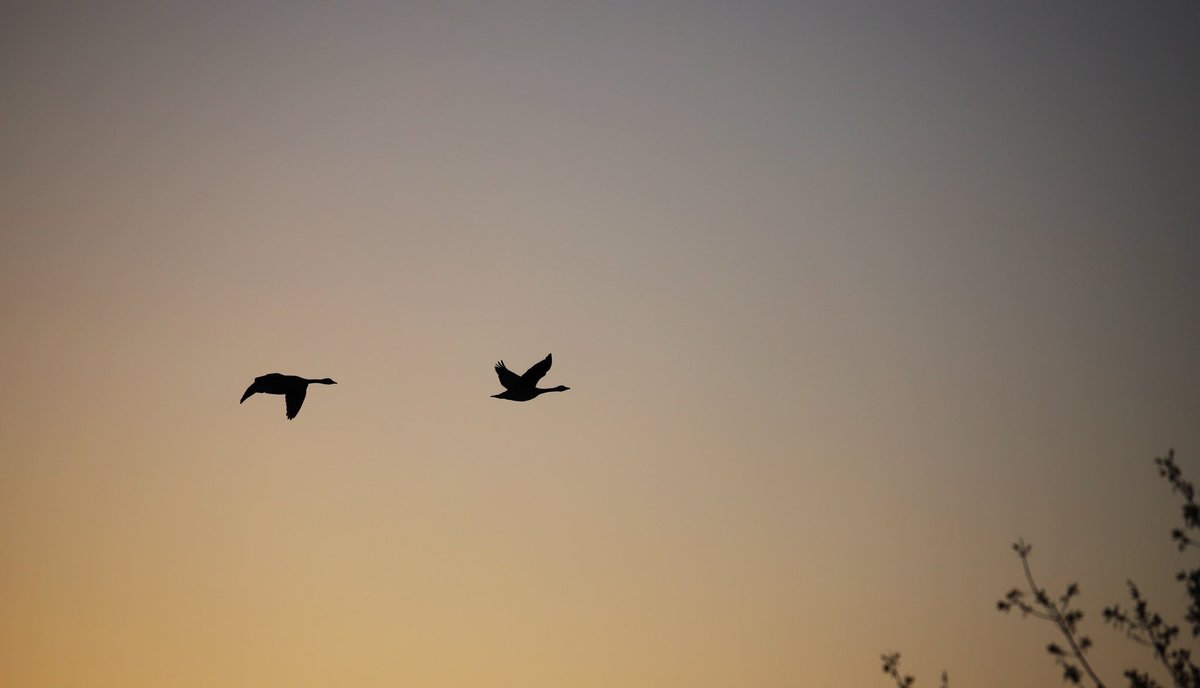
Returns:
(524, 387)
(292, 387)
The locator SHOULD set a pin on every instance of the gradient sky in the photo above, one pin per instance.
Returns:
(848, 296)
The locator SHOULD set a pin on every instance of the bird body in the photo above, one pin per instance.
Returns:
(524, 387)
(292, 387)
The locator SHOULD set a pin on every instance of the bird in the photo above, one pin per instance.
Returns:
(292, 387)
(524, 387)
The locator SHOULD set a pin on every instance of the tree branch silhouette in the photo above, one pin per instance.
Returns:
(1058, 613)
(891, 667)
(1147, 627)
(1139, 623)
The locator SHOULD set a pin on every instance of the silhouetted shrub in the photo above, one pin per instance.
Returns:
(891, 667)
(1139, 623)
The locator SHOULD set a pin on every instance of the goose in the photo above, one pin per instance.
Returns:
(292, 387)
(524, 387)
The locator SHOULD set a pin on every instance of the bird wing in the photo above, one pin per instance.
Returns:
(537, 371)
(250, 391)
(295, 399)
(268, 384)
(508, 378)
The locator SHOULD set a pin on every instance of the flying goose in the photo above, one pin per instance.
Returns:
(524, 387)
(292, 387)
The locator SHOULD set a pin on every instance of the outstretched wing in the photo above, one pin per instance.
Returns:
(271, 383)
(295, 399)
(537, 371)
(508, 378)
(250, 391)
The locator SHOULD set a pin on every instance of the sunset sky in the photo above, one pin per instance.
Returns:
(849, 296)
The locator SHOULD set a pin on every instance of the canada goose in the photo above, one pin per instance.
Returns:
(524, 387)
(292, 387)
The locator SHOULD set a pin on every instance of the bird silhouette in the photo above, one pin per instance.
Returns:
(292, 387)
(524, 387)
